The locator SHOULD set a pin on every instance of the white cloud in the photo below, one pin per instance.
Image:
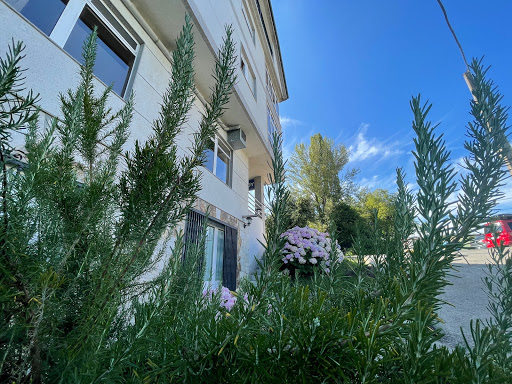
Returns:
(379, 182)
(287, 122)
(290, 136)
(364, 148)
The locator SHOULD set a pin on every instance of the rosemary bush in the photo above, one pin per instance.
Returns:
(79, 240)
(79, 236)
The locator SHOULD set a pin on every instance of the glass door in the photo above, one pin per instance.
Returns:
(214, 255)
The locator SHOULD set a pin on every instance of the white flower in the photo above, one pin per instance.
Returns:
(302, 260)
(313, 261)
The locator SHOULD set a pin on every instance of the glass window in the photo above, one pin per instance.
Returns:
(248, 21)
(243, 68)
(271, 124)
(113, 59)
(248, 73)
(218, 160)
(210, 156)
(42, 13)
(219, 262)
(222, 163)
(272, 94)
(208, 251)
(214, 255)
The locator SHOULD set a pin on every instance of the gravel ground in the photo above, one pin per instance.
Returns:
(467, 296)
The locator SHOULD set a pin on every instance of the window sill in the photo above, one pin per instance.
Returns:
(213, 174)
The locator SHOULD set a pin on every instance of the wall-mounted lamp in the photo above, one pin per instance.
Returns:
(248, 219)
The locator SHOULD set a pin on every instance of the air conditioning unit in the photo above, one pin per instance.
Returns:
(237, 139)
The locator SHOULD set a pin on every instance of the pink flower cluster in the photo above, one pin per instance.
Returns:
(308, 246)
(227, 298)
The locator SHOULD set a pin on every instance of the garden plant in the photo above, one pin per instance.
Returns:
(78, 241)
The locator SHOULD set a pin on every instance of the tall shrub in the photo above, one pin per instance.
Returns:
(79, 239)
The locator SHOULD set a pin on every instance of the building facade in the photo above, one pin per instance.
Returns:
(136, 39)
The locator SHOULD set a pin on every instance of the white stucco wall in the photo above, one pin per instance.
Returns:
(254, 248)
(50, 71)
(215, 15)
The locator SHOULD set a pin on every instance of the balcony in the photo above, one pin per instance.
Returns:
(255, 206)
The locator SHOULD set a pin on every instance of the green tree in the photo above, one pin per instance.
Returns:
(301, 213)
(315, 173)
(347, 220)
(378, 204)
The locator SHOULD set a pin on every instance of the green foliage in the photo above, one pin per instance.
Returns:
(380, 203)
(81, 241)
(301, 213)
(314, 173)
(370, 218)
(78, 305)
(346, 220)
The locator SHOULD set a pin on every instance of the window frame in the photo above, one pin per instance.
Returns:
(218, 143)
(247, 71)
(67, 21)
(272, 93)
(19, 12)
(249, 21)
(271, 122)
(211, 278)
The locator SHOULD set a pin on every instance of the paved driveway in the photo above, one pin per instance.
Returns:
(467, 295)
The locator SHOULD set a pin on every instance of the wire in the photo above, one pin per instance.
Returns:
(453, 32)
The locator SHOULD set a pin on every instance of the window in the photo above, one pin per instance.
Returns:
(248, 21)
(69, 22)
(43, 14)
(214, 255)
(272, 94)
(221, 249)
(218, 160)
(264, 28)
(248, 73)
(114, 60)
(272, 127)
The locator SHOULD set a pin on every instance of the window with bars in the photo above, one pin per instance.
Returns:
(220, 249)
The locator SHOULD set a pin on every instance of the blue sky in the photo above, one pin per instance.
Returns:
(352, 67)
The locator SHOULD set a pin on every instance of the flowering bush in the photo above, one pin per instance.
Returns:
(227, 297)
(307, 248)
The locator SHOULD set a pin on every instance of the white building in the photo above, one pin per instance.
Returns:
(137, 38)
